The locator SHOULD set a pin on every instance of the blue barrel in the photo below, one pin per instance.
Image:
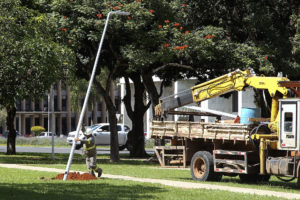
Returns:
(247, 113)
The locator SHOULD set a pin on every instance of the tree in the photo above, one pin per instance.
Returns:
(3, 116)
(37, 130)
(265, 25)
(156, 39)
(30, 61)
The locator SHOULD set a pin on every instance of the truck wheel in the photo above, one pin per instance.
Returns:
(254, 178)
(202, 167)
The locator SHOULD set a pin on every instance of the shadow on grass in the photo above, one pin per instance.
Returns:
(73, 191)
(45, 158)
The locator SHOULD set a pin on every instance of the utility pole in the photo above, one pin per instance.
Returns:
(89, 90)
(52, 121)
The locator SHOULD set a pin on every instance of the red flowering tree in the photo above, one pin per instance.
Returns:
(156, 39)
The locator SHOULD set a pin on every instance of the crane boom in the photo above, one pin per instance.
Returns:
(234, 81)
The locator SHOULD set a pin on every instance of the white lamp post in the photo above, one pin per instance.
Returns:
(89, 90)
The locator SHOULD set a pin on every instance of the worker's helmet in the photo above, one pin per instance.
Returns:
(88, 131)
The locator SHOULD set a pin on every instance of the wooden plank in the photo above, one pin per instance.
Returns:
(158, 157)
(258, 119)
(171, 129)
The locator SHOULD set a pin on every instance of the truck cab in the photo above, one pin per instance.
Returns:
(288, 128)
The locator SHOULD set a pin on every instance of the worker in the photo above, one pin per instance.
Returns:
(89, 151)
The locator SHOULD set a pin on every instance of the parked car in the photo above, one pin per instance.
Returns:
(102, 135)
(45, 135)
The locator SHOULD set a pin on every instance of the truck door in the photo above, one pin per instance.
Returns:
(288, 125)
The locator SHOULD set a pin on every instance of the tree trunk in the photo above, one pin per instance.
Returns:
(136, 138)
(114, 139)
(112, 119)
(11, 136)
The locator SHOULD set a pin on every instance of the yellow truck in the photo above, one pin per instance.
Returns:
(251, 151)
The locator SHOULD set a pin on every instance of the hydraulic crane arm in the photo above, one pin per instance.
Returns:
(237, 81)
(234, 81)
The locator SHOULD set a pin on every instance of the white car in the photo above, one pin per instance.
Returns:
(45, 135)
(102, 135)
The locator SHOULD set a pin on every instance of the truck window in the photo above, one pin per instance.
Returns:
(288, 122)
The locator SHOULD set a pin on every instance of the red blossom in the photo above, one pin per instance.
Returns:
(167, 21)
(115, 8)
(166, 45)
(182, 9)
(209, 36)
(63, 29)
(121, 5)
(107, 5)
(129, 17)
(181, 28)
(69, 41)
(152, 11)
(159, 26)
(184, 5)
(65, 17)
(176, 24)
(99, 15)
(180, 47)
(187, 32)
(266, 57)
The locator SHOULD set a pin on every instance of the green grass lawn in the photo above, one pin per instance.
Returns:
(27, 185)
(137, 168)
(58, 142)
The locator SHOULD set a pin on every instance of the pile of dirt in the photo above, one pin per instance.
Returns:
(77, 176)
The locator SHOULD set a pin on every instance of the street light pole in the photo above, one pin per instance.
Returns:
(89, 90)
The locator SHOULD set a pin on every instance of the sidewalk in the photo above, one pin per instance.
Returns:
(178, 184)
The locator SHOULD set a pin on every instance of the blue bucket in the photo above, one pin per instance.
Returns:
(247, 113)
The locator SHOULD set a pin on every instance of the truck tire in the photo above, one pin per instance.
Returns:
(253, 178)
(202, 167)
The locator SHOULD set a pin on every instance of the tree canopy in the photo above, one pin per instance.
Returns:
(30, 59)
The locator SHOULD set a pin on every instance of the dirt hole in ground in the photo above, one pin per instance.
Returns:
(77, 176)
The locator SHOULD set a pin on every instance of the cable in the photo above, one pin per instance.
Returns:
(256, 130)
(285, 180)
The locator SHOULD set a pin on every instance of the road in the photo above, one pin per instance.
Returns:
(62, 150)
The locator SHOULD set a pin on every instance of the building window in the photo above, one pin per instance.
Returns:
(46, 103)
(27, 105)
(235, 101)
(18, 105)
(64, 103)
(37, 106)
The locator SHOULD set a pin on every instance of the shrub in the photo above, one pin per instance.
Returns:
(37, 130)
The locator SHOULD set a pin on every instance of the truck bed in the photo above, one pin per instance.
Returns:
(191, 130)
